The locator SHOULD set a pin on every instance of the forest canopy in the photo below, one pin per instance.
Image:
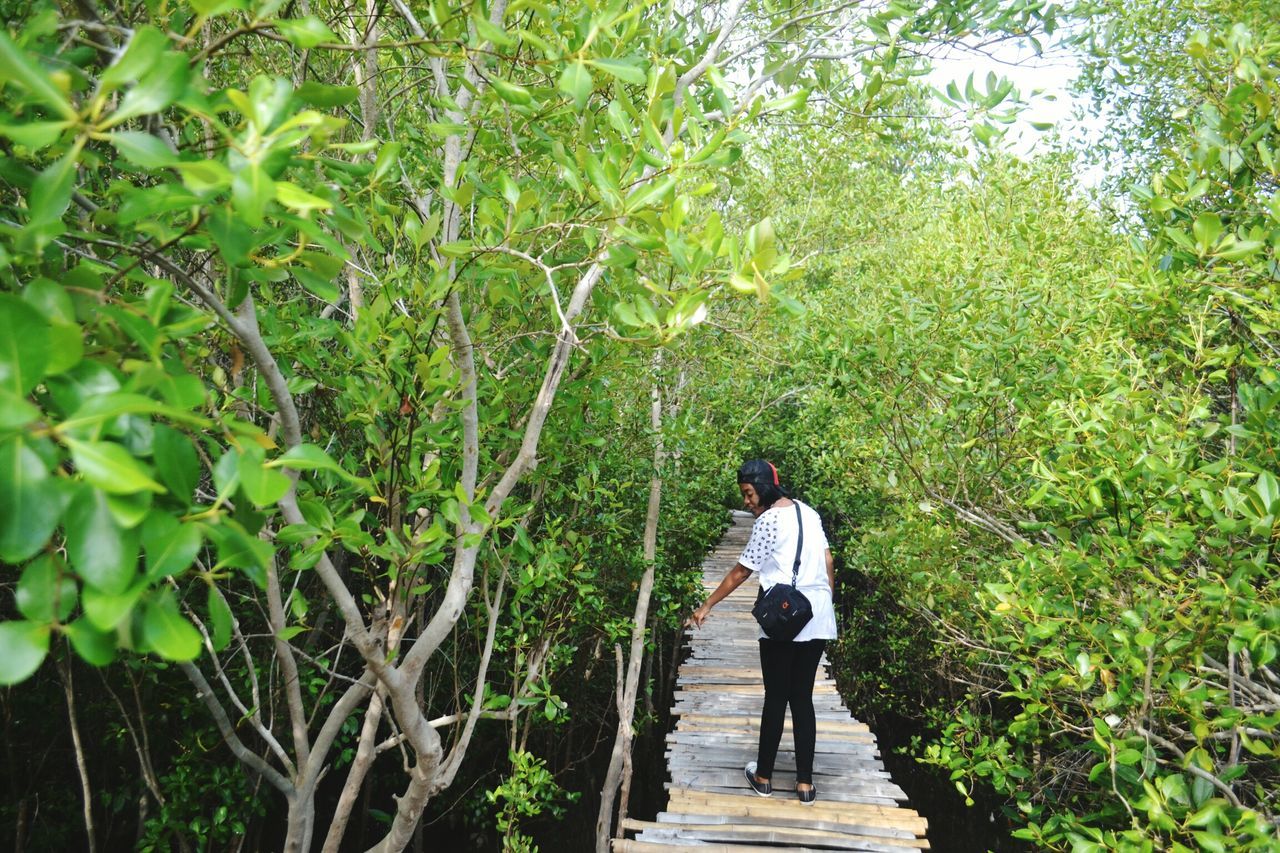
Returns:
(372, 376)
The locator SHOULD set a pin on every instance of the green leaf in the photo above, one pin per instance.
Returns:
(650, 192)
(130, 510)
(1083, 664)
(512, 93)
(1241, 250)
(233, 239)
(226, 473)
(177, 465)
(204, 175)
(15, 411)
(491, 32)
(182, 390)
(308, 457)
(31, 502)
(167, 631)
(289, 632)
(296, 198)
(263, 486)
(66, 348)
(96, 410)
(787, 103)
(305, 33)
(142, 149)
(164, 83)
(103, 554)
(16, 66)
(35, 135)
(1211, 842)
(110, 467)
(576, 82)
(624, 312)
(45, 593)
(630, 70)
(387, 163)
(145, 48)
(214, 8)
(23, 646)
(171, 546)
(219, 619)
(322, 287)
(50, 299)
(1207, 228)
(106, 610)
(106, 407)
(24, 346)
(1268, 490)
(85, 380)
(251, 191)
(236, 548)
(51, 195)
(322, 95)
(93, 645)
(1128, 757)
(457, 248)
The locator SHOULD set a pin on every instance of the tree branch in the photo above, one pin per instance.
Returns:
(205, 693)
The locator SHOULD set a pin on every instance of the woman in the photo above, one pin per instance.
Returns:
(789, 666)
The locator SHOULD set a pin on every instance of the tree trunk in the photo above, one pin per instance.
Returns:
(365, 753)
(300, 822)
(620, 760)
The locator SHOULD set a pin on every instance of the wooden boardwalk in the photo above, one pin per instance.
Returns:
(718, 699)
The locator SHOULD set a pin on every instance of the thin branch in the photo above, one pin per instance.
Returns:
(82, 769)
(205, 693)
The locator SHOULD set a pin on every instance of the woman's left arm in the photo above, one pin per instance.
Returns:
(831, 570)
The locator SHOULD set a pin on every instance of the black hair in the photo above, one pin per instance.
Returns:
(764, 478)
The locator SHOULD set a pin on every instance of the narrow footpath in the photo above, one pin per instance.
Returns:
(718, 699)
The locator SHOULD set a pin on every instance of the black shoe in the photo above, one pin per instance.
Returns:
(808, 797)
(764, 789)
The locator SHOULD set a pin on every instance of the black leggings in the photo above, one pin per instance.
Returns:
(789, 669)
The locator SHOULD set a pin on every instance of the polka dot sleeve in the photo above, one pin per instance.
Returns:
(764, 536)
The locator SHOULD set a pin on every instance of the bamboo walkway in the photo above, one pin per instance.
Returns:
(718, 698)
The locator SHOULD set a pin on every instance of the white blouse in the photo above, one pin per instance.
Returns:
(771, 551)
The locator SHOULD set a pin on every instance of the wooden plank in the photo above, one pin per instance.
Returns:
(802, 820)
(752, 722)
(877, 815)
(836, 797)
(689, 845)
(784, 765)
(755, 688)
(852, 750)
(775, 834)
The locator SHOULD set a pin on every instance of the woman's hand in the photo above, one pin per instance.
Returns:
(699, 616)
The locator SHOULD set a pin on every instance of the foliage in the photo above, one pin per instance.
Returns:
(1052, 454)
(1140, 79)
(529, 790)
(207, 807)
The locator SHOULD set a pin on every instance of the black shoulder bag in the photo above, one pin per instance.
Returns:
(784, 611)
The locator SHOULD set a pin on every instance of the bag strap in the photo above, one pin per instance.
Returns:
(795, 568)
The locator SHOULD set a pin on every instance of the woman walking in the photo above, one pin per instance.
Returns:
(788, 666)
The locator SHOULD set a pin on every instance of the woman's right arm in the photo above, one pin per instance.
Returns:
(731, 581)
